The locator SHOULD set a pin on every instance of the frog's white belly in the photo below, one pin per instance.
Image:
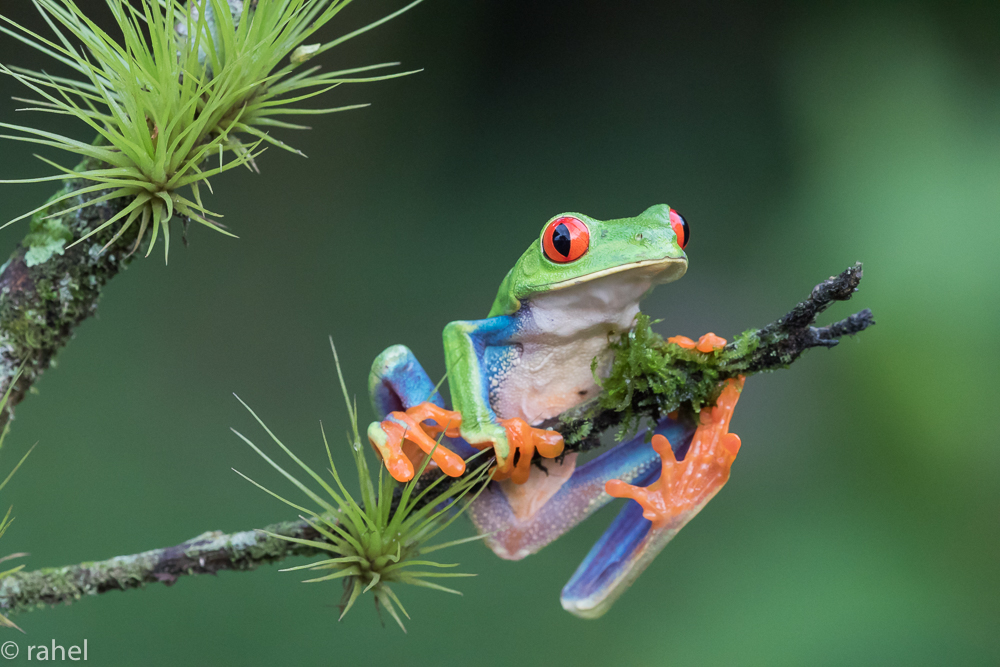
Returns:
(563, 332)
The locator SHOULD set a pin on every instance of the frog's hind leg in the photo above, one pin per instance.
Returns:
(404, 396)
(693, 460)
(398, 382)
(665, 500)
(525, 517)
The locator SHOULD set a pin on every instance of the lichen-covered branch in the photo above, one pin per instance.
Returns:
(651, 377)
(782, 342)
(146, 161)
(47, 289)
(208, 553)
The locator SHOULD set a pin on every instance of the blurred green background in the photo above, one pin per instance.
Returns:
(861, 522)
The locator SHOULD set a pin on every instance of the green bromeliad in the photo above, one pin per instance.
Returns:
(190, 91)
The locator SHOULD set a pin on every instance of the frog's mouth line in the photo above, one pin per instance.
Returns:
(667, 269)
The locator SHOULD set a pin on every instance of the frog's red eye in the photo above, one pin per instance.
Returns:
(680, 227)
(566, 239)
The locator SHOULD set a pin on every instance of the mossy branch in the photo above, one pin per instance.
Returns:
(47, 289)
(208, 553)
(774, 346)
(651, 378)
(782, 342)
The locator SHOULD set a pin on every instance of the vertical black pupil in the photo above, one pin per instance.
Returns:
(561, 240)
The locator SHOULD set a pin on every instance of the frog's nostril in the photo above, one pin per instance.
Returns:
(638, 237)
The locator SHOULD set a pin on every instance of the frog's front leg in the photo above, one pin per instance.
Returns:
(405, 396)
(479, 354)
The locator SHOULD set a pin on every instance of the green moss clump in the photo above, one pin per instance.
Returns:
(650, 377)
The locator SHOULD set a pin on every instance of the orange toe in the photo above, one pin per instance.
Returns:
(443, 421)
(526, 440)
(386, 439)
(682, 341)
(732, 443)
(710, 342)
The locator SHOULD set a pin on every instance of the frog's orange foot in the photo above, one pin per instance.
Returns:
(707, 343)
(526, 440)
(685, 486)
(395, 436)
(443, 421)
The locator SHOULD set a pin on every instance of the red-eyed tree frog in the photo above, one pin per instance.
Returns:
(571, 293)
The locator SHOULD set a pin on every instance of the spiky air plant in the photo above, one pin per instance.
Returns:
(8, 519)
(381, 540)
(186, 92)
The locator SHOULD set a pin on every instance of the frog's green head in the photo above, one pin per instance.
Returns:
(574, 249)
